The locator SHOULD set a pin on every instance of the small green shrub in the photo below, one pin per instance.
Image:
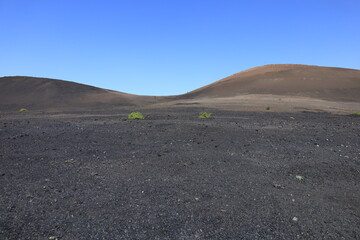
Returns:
(23, 110)
(205, 115)
(268, 108)
(356, 113)
(135, 115)
(300, 178)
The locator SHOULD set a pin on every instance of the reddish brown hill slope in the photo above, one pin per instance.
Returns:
(336, 84)
(288, 79)
(40, 93)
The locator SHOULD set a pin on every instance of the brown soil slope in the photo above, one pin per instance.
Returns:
(335, 84)
(288, 79)
(44, 93)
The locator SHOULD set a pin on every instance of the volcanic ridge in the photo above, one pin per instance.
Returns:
(294, 80)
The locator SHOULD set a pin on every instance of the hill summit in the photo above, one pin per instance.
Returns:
(288, 79)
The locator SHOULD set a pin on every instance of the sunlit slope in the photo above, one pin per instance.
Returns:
(288, 79)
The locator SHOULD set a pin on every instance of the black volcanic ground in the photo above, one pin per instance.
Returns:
(174, 176)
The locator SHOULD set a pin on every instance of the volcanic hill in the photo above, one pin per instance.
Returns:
(328, 83)
(288, 79)
(45, 93)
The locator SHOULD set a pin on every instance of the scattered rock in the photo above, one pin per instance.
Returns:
(275, 185)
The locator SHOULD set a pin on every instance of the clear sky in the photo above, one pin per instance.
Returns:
(165, 47)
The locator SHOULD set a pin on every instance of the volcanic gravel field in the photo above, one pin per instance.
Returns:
(240, 175)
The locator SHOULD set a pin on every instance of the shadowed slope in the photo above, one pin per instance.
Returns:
(39, 93)
(287, 79)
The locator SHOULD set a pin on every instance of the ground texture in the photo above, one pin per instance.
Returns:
(240, 175)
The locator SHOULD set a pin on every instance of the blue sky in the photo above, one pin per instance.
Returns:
(165, 47)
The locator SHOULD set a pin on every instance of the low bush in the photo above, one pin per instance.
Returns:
(135, 115)
(268, 108)
(205, 115)
(299, 177)
(356, 113)
(22, 110)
